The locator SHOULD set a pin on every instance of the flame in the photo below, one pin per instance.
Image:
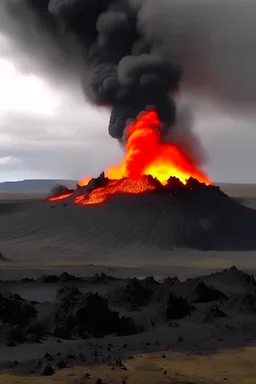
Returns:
(145, 154)
(84, 182)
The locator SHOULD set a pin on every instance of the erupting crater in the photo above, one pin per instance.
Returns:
(149, 164)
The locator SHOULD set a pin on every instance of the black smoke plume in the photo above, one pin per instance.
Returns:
(113, 55)
(121, 71)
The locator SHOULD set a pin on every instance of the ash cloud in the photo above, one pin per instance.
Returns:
(213, 40)
(135, 53)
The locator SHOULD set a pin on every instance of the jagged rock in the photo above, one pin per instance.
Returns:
(18, 321)
(48, 279)
(88, 316)
(11, 334)
(101, 279)
(38, 364)
(170, 281)
(26, 280)
(65, 291)
(4, 259)
(234, 275)
(65, 277)
(47, 370)
(176, 308)
(15, 310)
(61, 331)
(248, 302)
(205, 294)
(61, 364)
(150, 283)
(132, 296)
(214, 313)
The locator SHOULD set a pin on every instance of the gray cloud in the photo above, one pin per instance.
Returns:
(214, 41)
(66, 147)
(58, 147)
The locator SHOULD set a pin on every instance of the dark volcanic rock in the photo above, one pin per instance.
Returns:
(15, 310)
(214, 313)
(11, 334)
(48, 279)
(18, 321)
(150, 283)
(101, 279)
(176, 308)
(132, 296)
(170, 281)
(26, 280)
(234, 276)
(61, 364)
(88, 316)
(247, 303)
(47, 370)
(65, 291)
(66, 277)
(4, 259)
(206, 294)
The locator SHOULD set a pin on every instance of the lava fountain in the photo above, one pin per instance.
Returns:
(145, 154)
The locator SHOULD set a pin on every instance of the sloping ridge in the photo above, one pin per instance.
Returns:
(200, 218)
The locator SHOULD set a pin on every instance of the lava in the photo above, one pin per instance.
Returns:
(145, 154)
(61, 197)
(114, 187)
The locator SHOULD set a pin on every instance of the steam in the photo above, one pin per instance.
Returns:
(131, 54)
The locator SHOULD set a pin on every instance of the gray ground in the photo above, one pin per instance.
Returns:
(34, 246)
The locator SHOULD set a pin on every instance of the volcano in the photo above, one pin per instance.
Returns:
(190, 215)
(149, 164)
(158, 196)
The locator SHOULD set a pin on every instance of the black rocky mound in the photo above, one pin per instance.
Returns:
(200, 216)
(134, 295)
(233, 275)
(63, 278)
(206, 294)
(75, 314)
(3, 258)
(176, 307)
(214, 313)
(86, 315)
(248, 302)
(18, 321)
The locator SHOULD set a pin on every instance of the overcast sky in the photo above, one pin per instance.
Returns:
(49, 131)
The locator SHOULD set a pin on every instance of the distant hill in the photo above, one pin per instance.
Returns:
(33, 186)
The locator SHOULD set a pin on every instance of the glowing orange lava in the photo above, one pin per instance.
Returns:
(145, 155)
(114, 187)
(61, 197)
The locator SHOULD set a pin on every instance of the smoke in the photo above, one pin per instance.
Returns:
(213, 40)
(134, 53)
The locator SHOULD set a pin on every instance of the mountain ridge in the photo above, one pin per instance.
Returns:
(34, 185)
